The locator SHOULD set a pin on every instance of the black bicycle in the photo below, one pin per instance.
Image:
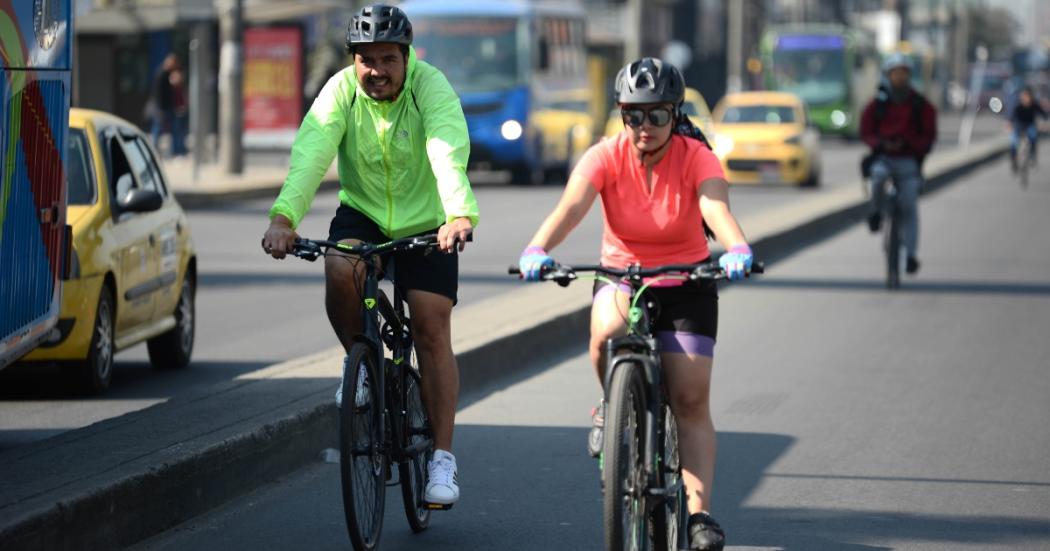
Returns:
(892, 244)
(644, 503)
(382, 418)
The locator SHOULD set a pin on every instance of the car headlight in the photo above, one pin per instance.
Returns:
(723, 145)
(511, 130)
(794, 140)
(838, 119)
(995, 104)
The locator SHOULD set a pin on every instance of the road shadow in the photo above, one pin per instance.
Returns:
(918, 286)
(132, 380)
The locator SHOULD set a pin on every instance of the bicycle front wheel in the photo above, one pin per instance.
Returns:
(362, 462)
(893, 250)
(413, 471)
(623, 473)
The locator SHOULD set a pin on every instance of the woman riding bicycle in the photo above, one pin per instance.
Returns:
(658, 188)
(1023, 119)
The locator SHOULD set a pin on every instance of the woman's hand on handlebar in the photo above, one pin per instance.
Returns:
(455, 232)
(279, 237)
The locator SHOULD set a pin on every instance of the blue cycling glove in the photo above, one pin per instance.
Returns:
(736, 262)
(532, 261)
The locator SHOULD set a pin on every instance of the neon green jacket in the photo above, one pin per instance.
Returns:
(401, 163)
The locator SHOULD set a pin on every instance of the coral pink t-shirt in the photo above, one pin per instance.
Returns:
(651, 228)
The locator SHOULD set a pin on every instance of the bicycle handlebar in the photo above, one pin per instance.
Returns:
(563, 274)
(311, 249)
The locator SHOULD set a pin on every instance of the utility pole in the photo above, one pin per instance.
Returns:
(231, 81)
(734, 46)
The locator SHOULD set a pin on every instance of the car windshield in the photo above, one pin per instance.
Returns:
(81, 185)
(761, 114)
(818, 76)
(475, 53)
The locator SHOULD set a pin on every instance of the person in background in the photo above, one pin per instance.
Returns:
(1023, 119)
(899, 125)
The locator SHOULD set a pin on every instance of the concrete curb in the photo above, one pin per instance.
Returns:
(116, 501)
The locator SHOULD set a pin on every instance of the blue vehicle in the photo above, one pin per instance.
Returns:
(520, 69)
(35, 49)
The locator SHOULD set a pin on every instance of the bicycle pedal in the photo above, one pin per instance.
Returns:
(439, 506)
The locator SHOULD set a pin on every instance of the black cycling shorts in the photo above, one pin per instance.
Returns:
(421, 269)
(689, 308)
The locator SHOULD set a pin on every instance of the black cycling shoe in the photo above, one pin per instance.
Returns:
(705, 534)
(911, 265)
(595, 439)
(874, 221)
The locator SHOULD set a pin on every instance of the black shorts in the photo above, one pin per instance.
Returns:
(689, 308)
(421, 269)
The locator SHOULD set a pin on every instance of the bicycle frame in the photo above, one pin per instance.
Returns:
(374, 302)
(644, 350)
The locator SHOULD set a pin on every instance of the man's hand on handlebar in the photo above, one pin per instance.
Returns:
(455, 232)
(279, 237)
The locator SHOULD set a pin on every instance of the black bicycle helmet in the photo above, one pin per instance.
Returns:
(650, 80)
(379, 23)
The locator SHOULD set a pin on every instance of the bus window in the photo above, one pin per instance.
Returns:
(475, 53)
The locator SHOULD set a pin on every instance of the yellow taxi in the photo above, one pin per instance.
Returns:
(694, 106)
(766, 137)
(133, 267)
(567, 128)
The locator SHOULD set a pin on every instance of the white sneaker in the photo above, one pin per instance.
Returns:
(361, 395)
(442, 479)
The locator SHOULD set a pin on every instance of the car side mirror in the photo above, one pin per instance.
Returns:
(141, 200)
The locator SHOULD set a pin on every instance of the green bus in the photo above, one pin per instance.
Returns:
(834, 69)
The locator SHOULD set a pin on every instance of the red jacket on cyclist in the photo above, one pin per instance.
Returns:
(890, 125)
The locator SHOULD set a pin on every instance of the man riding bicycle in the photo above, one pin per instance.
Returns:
(899, 126)
(1023, 120)
(397, 129)
(658, 187)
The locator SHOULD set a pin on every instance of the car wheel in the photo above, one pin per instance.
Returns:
(812, 181)
(97, 370)
(173, 349)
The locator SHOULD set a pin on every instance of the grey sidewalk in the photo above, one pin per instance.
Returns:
(124, 479)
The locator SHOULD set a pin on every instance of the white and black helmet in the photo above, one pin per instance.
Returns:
(650, 80)
(379, 23)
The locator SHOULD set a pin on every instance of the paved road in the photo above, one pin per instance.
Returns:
(253, 311)
(850, 418)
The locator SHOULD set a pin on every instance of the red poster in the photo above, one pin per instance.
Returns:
(273, 88)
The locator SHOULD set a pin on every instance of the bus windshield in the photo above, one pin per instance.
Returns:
(815, 69)
(475, 53)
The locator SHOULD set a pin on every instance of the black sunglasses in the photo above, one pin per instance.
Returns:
(634, 116)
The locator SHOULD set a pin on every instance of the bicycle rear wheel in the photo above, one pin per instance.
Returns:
(412, 472)
(362, 463)
(623, 474)
(669, 519)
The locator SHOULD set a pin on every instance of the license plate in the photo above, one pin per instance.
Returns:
(769, 172)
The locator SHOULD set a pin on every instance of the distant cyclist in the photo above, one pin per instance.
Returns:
(658, 187)
(899, 125)
(1024, 122)
(398, 131)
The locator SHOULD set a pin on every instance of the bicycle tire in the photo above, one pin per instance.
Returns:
(1024, 162)
(623, 474)
(670, 518)
(362, 462)
(893, 249)
(413, 471)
